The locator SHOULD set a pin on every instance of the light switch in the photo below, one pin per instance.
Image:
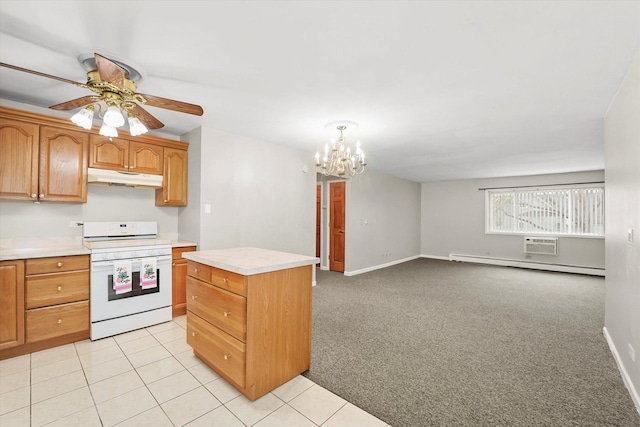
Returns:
(207, 208)
(630, 236)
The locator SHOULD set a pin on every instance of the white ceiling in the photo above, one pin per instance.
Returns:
(441, 89)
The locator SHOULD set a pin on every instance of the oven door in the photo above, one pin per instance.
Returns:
(106, 303)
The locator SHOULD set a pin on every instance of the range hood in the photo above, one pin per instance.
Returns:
(127, 179)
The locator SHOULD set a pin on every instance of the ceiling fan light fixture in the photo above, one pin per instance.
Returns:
(113, 117)
(108, 131)
(135, 126)
(84, 117)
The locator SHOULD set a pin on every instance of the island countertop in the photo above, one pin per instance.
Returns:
(249, 261)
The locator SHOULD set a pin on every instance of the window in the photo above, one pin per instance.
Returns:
(575, 211)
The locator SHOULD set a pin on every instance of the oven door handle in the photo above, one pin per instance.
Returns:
(133, 261)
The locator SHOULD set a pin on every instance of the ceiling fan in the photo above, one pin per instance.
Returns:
(115, 91)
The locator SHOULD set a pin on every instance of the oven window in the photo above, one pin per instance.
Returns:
(136, 289)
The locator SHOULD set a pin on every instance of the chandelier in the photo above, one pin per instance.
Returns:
(111, 120)
(341, 160)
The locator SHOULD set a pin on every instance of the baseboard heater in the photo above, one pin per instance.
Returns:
(528, 264)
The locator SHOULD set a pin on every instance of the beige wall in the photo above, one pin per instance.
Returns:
(453, 222)
(622, 166)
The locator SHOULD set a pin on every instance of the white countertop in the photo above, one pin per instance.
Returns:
(249, 261)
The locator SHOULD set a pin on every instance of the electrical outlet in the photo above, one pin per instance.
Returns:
(632, 353)
(75, 224)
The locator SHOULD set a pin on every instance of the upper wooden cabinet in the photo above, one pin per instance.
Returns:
(174, 186)
(124, 155)
(42, 163)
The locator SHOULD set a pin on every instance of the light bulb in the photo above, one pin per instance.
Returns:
(84, 117)
(108, 131)
(113, 117)
(136, 127)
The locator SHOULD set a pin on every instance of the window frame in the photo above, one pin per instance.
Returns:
(487, 210)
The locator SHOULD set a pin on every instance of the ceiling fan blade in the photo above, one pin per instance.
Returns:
(110, 72)
(147, 119)
(37, 73)
(170, 104)
(75, 103)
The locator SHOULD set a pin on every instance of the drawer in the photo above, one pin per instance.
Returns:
(233, 282)
(221, 308)
(59, 288)
(51, 322)
(57, 264)
(176, 253)
(225, 353)
(200, 271)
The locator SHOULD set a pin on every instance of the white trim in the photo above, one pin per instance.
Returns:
(324, 267)
(528, 264)
(377, 267)
(633, 391)
(444, 258)
(313, 283)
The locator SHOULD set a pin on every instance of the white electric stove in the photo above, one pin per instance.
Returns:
(130, 276)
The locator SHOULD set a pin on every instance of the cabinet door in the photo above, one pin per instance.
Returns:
(174, 185)
(63, 165)
(179, 286)
(18, 160)
(145, 158)
(109, 153)
(11, 304)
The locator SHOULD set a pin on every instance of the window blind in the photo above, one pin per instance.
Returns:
(563, 212)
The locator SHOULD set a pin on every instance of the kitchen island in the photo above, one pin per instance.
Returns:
(249, 315)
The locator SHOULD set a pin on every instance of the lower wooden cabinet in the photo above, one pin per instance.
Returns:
(50, 307)
(255, 331)
(11, 304)
(179, 280)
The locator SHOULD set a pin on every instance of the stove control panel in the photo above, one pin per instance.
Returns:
(129, 253)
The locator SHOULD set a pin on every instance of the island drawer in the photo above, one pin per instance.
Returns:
(233, 282)
(221, 308)
(51, 322)
(200, 271)
(218, 348)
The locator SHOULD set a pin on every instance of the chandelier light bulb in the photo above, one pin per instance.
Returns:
(113, 117)
(108, 131)
(135, 126)
(84, 117)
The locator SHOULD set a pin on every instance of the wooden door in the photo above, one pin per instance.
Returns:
(318, 219)
(63, 165)
(174, 182)
(108, 153)
(18, 160)
(145, 158)
(337, 226)
(11, 304)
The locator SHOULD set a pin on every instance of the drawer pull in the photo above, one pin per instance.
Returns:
(227, 313)
(225, 280)
(194, 297)
(193, 334)
(59, 288)
(59, 321)
(227, 356)
(42, 196)
(59, 264)
(33, 196)
(197, 270)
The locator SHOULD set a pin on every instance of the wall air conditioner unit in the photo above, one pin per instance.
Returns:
(541, 245)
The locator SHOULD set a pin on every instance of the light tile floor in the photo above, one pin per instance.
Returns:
(150, 377)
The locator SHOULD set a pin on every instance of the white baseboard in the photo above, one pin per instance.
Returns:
(444, 258)
(378, 267)
(527, 264)
(633, 390)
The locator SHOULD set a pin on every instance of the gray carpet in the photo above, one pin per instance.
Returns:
(437, 343)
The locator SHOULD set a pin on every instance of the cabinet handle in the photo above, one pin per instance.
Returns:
(193, 334)
(227, 356)
(59, 321)
(173, 264)
(227, 313)
(59, 288)
(34, 195)
(197, 270)
(42, 196)
(59, 264)
(165, 200)
(194, 297)
(225, 280)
